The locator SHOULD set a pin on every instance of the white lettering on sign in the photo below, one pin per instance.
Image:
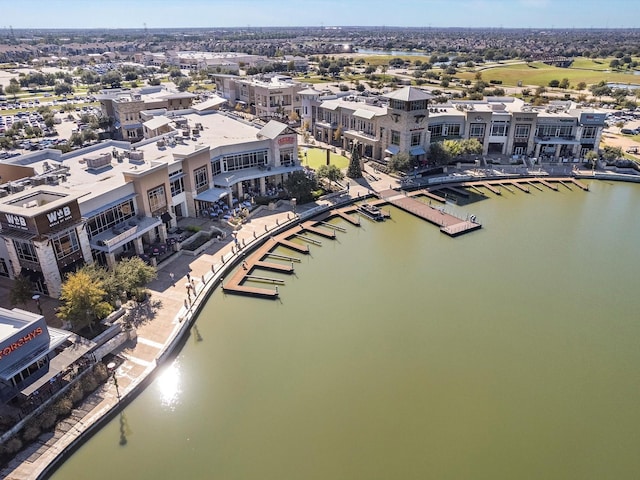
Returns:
(16, 220)
(60, 215)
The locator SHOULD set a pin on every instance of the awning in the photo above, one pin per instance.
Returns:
(166, 217)
(415, 151)
(392, 150)
(212, 195)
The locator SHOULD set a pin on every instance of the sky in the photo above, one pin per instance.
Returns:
(283, 13)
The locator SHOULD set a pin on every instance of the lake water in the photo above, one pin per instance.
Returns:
(397, 352)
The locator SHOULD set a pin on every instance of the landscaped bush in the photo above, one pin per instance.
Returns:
(75, 394)
(47, 419)
(62, 407)
(12, 446)
(31, 431)
(89, 383)
(101, 372)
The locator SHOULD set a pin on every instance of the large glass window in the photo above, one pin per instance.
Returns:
(216, 167)
(110, 217)
(415, 138)
(66, 244)
(200, 178)
(176, 182)
(522, 131)
(451, 130)
(157, 199)
(589, 131)
(436, 130)
(476, 130)
(499, 129)
(25, 251)
(395, 137)
(245, 160)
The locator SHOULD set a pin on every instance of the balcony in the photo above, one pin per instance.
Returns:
(111, 239)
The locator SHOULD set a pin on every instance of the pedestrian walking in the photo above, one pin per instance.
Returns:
(172, 276)
(188, 276)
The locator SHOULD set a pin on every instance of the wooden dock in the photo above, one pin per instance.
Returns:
(449, 224)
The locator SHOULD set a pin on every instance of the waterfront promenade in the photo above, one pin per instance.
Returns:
(161, 323)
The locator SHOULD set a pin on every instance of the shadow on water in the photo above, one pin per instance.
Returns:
(196, 333)
(124, 429)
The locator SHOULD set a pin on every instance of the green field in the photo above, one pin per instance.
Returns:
(318, 156)
(537, 73)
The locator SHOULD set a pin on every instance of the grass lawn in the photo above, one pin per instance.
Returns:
(318, 156)
(537, 73)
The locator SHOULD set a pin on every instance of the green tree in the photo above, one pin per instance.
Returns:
(132, 275)
(564, 83)
(591, 157)
(330, 172)
(354, 170)
(83, 301)
(581, 85)
(183, 84)
(402, 162)
(112, 79)
(13, 88)
(21, 291)
(438, 154)
(610, 153)
(63, 88)
(299, 185)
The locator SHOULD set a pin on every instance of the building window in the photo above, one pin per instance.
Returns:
(522, 131)
(589, 131)
(157, 199)
(110, 217)
(177, 186)
(286, 156)
(499, 129)
(216, 167)
(451, 130)
(245, 160)
(25, 251)
(66, 244)
(395, 137)
(436, 130)
(418, 105)
(200, 178)
(476, 130)
(415, 138)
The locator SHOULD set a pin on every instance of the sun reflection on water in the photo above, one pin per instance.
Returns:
(168, 384)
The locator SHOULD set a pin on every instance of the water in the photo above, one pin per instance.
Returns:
(397, 352)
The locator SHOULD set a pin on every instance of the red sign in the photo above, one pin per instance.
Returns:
(286, 141)
(20, 342)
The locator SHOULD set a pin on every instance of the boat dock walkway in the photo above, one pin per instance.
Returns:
(237, 283)
(448, 223)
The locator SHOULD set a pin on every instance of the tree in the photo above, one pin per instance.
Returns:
(581, 85)
(438, 154)
(301, 185)
(401, 162)
(591, 157)
(612, 153)
(63, 88)
(21, 291)
(183, 84)
(330, 172)
(354, 170)
(564, 83)
(554, 83)
(132, 274)
(112, 78)
(83, 301)
(13, 88)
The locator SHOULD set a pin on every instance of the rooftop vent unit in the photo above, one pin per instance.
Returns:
(136, 157)
(98, 162)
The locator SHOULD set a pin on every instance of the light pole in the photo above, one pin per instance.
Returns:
(111, 367)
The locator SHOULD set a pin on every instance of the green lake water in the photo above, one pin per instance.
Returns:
(398, 352)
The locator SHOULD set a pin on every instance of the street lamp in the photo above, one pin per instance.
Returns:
(111, 368)
(36, 297)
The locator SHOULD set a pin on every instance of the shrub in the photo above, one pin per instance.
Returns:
(75, 394)
(48, 420)
(63, 407)
(13, 445)
(193, 228)
(89, 383)
(31, 432)
(101, 372)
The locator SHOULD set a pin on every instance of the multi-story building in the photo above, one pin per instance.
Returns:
(405, 121)
(126, 107)
(101, 203)
(267, 96)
